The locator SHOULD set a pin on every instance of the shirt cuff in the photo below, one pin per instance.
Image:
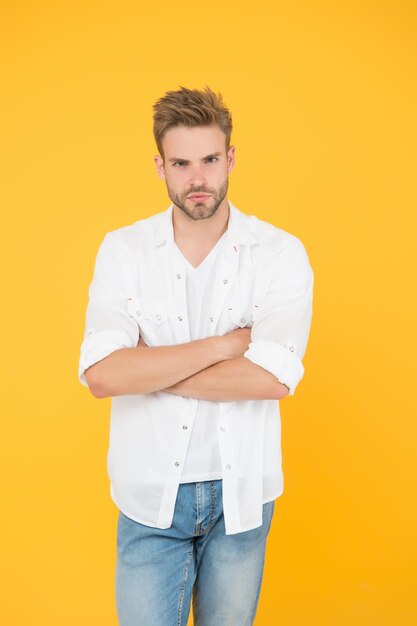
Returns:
(98, 345)
(277, 359)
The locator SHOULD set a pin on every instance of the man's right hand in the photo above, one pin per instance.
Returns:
(236, 342)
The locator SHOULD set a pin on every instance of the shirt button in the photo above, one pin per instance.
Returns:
(211, 319)
(180, 318)
(222, 428)
(225, 281)
(292, 348)
(228, 466)
(185, 426)
(138, 312)
(243, 320)
(176, 463)
(158, 317)
(178, 275)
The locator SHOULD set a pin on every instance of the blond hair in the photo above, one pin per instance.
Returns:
(190, 107)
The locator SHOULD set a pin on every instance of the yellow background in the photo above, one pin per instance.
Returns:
(323, 97)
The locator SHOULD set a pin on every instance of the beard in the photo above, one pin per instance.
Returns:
(200, 210)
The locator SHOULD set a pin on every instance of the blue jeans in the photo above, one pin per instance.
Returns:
(158, 571)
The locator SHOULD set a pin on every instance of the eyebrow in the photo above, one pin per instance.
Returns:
(214, 154)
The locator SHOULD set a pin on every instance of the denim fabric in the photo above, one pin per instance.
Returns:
(159, 571)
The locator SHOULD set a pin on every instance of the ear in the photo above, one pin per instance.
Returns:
(159, 164)
(231, 158)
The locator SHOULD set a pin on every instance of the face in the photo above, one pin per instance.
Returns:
(196, 162)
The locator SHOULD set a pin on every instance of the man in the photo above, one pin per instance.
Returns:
(197, 323)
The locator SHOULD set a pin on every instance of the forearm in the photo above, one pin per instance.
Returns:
(130, 371)
(233, 379)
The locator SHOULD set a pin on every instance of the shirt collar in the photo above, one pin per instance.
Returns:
(238, 228)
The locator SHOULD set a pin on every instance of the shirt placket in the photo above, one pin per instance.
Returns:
(223, 278)
(230, 488)
(185, 426)
(175, 273)
(176, 276)
(220, 284)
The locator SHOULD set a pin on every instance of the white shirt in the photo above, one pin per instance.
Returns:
(203, 460)
(263, 279)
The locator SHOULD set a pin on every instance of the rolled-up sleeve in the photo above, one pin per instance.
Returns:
(108, 325)
(281, 329)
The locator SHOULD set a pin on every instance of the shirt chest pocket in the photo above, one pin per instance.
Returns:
(152, 316)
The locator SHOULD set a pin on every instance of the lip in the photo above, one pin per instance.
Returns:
(199, 196)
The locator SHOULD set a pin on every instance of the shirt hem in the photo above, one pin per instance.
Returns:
(201, 478)
(154, 525)
(270, 498)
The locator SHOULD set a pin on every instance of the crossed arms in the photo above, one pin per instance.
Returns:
(209, 369)
(262, 362)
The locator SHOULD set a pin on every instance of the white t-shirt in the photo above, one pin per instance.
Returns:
(202, 461)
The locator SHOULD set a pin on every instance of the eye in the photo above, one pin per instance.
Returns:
(212, 159)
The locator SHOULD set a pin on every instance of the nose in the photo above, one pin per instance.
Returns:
(197, 179)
